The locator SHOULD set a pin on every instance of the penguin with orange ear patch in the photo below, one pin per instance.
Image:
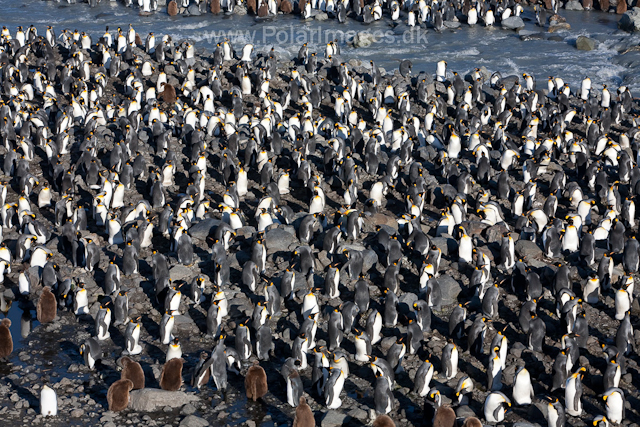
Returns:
(255, 382)
(171, 377)
(304, 415)
(47, 306)
(172, 8)
(118, 395)
(6, 341)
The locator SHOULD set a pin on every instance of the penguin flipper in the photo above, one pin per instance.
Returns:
(496, 412)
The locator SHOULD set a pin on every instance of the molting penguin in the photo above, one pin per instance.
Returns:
(383, 421)
(255, 382)
(304, 415)
(47, 306)
(131, 370)
(171, 376)
(118, 395)
(6, 341)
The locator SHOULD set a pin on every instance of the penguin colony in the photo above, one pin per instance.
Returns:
(319, 219)
(413, 13)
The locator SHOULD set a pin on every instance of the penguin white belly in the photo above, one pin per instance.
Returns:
(23, 285)
(82, 303)
(103, 330)
(48, 402)
(361, 351)
(522, 389)
(454, 364)
(377, 328)
(622, 303)
(614, 404)
(137, 348)
(174, 352)
(573, 408)
(571, 241)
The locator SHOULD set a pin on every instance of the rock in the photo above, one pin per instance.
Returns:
(278, 240)
(240, 10)
(405, 303)
(573, 5)
(193, 421)
(153, 399)
(452, 24)
(494, 234)
(446, 244)
(334, 418)
(527, 249)
(513, 23)
(204, 228)
(561, 26)
(193, 10)
(180, 272)
(77, 413)
(450, 289)
(585, 43)
(465, 412)
(630, 21)
(363, 39)
(370, 259)
(321, 17)
(531, 35)
(358, 414)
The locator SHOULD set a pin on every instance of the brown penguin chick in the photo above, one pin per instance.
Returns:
(263, 10)
(548, 4)
(47, 306)
(304, 415)
(383, 421)
(445, 417)
(621, 8)
(286, 7)
(214, 7)
(171, 377)
(118, 395)
(168, 94)
(252, 7)
(466, 7)
(6, 342)
(138, 40)
(587, 4)
(131, 370)
(302, 4)
(255, 382)
(172, 8)
(604, 5)
(472, 422)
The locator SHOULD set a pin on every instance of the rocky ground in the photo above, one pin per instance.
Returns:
(50, 352)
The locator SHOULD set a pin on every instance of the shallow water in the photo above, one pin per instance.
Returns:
(23, 320)
(463, 49)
